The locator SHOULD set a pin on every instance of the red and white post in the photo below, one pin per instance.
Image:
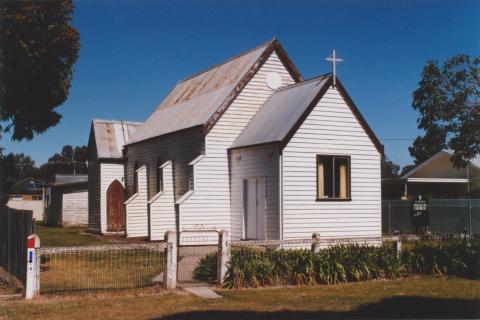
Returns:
(32, 286)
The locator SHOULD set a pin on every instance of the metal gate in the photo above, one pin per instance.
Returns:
(197, 256)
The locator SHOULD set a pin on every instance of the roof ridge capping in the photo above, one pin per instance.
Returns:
(116, 121)
(270, 42)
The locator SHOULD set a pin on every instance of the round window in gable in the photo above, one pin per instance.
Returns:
(274, 80)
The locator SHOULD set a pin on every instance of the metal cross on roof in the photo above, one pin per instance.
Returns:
(334, 60)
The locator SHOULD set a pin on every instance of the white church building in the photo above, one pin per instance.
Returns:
(251, 147)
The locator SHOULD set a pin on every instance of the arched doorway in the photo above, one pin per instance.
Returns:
(115, 207)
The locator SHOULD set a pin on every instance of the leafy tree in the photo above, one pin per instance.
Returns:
(70, 160)
(448, 100)
(389, 169)
(16, 167)
(38, 49)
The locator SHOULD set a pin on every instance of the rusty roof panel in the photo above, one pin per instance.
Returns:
(194, 100)
(112, 135)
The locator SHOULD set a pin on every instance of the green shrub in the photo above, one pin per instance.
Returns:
(453, 257)
(255, 267)
(206, 270)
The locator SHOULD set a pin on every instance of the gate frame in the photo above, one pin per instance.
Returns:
(223, 249)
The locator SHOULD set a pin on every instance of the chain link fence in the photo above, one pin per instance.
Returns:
(100, 268)
(446, 216)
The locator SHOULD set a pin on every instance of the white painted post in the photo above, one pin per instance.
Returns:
(223, 255)
(170, 273)
(315, 242)
(32, 286)
(399, 247)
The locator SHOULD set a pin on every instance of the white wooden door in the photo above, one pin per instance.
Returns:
(254, 204)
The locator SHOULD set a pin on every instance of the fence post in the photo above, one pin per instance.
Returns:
(315, 242)
(32, 285)
(399, 247)
(470, 217)
(223, 255)
(389, 217)
(170, 273)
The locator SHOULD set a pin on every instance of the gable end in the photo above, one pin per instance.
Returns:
(360, 118)
(274, 46)
(350, 104)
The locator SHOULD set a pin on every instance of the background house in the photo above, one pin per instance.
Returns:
(27, 195)
(66, 200)
(437, 178)
(106, 174)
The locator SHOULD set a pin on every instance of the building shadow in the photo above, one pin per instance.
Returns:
(392, 308)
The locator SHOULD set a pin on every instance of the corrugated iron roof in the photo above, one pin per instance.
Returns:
(281, 112)
(112, 135)
(63, 179)
(194, 100)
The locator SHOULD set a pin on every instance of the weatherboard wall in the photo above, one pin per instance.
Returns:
(75, 207)
(162, 207)
(209, 204)
(136, 207)
(330, 129)
(93, 185)
(179, 147)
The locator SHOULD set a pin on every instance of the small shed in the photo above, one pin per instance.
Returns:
(27, 195)
(66, 201)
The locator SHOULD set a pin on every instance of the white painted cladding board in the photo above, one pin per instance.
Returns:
(136, 207)
(331, 129)
(75, 208)
(209, 205)
(249, 163)
(36, 206)
(109, 172)
(162, 208)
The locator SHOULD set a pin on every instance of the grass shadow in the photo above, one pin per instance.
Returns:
(410, 307)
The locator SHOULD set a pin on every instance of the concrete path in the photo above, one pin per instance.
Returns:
(203, 292)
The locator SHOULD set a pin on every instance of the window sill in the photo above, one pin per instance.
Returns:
(333, 199)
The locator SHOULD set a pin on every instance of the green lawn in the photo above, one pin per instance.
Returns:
(422, 297)
(67, 237)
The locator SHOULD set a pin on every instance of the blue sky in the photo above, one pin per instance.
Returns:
(133, 53)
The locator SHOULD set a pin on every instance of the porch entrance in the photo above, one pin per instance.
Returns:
(254, 195)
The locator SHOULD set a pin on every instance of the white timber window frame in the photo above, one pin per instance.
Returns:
(333, 178)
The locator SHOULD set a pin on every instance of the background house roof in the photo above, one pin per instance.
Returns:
(28, 186)
(196, 100)
(112, 135)
(281, 112)
(439, 169)
(68, 179)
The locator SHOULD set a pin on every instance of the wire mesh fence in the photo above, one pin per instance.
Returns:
(100, 268)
